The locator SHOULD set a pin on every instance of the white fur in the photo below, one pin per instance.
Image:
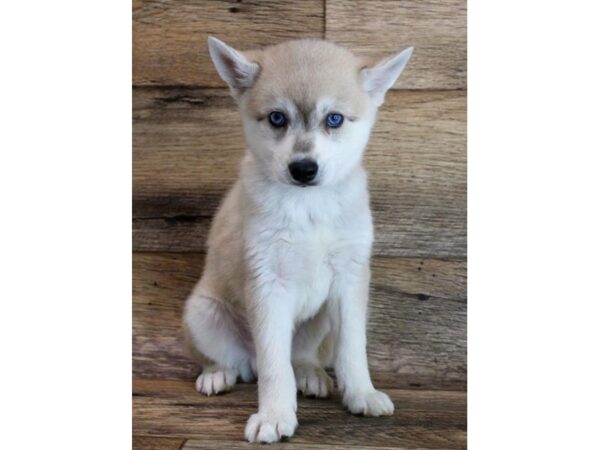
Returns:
(287, 270)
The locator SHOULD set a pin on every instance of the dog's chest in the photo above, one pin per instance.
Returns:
(314, 274)
(304, 246)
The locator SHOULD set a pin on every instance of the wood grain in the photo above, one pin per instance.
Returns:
(417, 323)
(207, 444)
(437, 30)
(187, 144)
(423, 419)
(156, 443)
(169, 36)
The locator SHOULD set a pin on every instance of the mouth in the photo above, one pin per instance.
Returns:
(303, 185)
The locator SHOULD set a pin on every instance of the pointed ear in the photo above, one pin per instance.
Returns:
(233, 67)
(377, 79)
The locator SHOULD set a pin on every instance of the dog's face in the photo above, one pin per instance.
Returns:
(307, 106)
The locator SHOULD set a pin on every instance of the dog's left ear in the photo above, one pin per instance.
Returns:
(377, 79)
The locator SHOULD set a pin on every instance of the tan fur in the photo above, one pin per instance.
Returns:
(305, 71)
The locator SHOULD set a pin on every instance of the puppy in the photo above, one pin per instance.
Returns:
(285, 288)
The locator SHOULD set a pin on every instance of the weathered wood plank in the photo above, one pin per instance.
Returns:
(423, 419)
(169, 37)
(208, 444)
(187, 144)
(157, 443)
(437, 30)
(417, 323)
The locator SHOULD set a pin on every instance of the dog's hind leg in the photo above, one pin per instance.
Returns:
(309, 356)
(219, 339)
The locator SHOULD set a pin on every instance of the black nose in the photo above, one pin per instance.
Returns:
(304, 170)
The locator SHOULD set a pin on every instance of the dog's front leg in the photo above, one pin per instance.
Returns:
(351, 366)
(271, 320)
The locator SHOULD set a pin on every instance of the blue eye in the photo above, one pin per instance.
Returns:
(277, 119)
(334, 120)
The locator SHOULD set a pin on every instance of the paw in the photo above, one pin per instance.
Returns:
(268, 428)
(313, 381)
(215, 379)
(370, 403)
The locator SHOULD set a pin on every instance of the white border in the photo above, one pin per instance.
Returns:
(65, 179)
(533, 225)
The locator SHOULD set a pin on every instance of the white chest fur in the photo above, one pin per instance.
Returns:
(302, 239)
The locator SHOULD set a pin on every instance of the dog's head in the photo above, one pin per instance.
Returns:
(307, 106)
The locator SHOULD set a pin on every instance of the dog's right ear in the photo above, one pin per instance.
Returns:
(233, 67)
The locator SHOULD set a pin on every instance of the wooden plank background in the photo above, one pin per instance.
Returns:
(437, 30)
(187, 143)
(169, 37)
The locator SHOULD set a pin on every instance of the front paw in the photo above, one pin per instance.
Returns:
(215, 380)
(270, 427)
(370, 403)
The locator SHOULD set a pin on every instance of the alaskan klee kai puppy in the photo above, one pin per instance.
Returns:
(285, 287)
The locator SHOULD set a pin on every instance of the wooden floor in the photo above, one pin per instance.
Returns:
(187, 143)
(423, 419)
